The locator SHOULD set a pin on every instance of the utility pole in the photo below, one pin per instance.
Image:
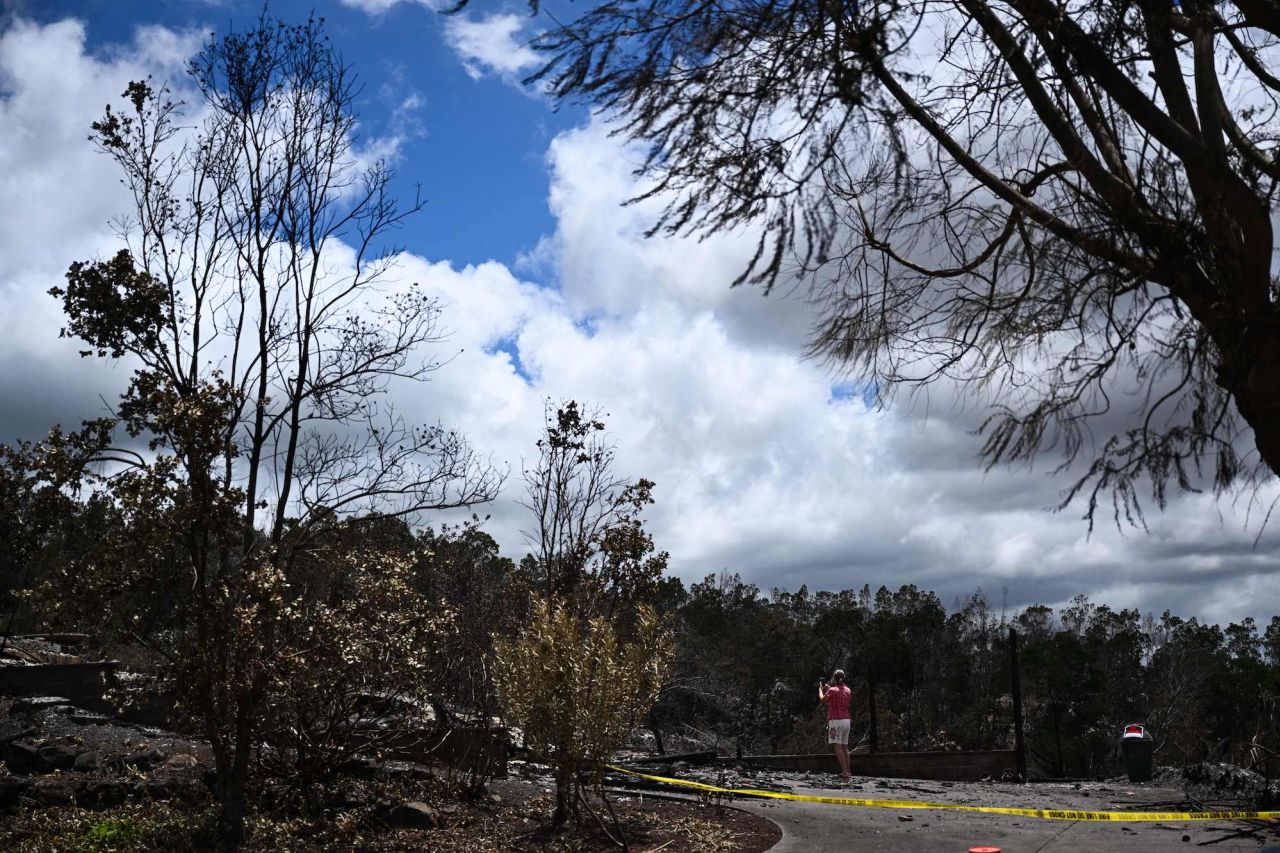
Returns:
(1019, 745)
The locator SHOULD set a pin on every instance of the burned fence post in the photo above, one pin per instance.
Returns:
(1019, 745)
(871, 708)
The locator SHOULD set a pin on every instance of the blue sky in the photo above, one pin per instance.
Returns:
(476, 147)
(766, 463)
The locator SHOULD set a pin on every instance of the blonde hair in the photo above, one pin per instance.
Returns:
(838, 675)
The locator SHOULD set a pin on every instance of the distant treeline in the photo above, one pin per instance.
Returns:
(748, 663)
(748, 666)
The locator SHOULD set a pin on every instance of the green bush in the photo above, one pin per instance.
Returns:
(112, 832)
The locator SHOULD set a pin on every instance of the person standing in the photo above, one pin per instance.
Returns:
(837, 697)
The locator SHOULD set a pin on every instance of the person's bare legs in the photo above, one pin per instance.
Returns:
(842, 755)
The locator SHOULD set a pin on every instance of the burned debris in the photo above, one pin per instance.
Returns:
(64, 742)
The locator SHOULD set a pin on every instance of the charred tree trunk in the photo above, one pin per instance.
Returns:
(1253, 379)
(564, 795)
(657, 734)
(235, 789)
(232, 815)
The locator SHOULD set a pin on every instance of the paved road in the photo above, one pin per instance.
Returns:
(816, 828)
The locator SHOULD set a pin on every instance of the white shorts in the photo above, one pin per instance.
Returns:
(838, 731)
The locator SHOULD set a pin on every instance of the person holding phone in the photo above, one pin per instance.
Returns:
(837, 697)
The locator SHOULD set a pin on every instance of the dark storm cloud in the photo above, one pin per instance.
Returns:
(37, 392)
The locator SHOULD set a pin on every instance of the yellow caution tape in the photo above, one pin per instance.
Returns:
(1046, 814)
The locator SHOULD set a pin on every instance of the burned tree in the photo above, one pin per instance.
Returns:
(1057, 205)
(588, 664)
(589, 542)
(253, 300)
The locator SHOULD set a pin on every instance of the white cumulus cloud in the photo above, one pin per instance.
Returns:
(760, 467)
(378, 7)
(496, 44)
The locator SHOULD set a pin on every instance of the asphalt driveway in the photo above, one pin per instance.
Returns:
(818, 827)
